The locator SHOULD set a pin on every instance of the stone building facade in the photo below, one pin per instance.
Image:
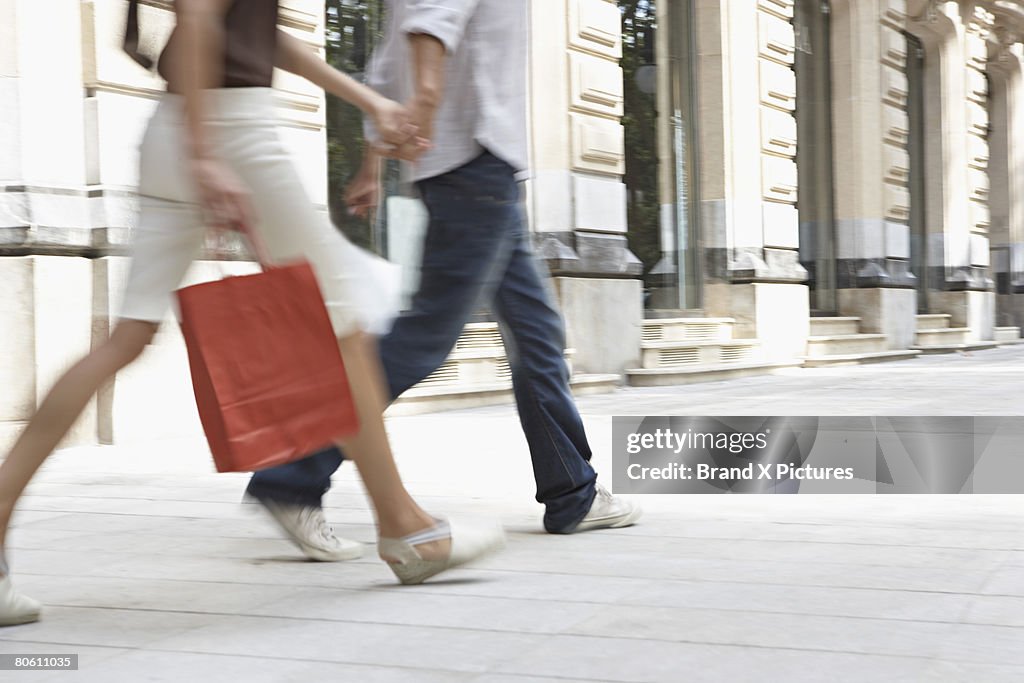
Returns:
(719, 188)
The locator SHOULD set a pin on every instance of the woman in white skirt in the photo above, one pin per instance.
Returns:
(211, 157)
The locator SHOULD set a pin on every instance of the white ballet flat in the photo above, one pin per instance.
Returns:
(16, 608)
(470, 541)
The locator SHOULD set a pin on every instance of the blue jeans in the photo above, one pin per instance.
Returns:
(477, 250)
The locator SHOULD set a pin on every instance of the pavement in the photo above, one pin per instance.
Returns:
(150, 569)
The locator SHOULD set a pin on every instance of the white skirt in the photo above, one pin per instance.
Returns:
(361, 291)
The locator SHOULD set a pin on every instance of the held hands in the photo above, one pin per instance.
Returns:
(405, 132)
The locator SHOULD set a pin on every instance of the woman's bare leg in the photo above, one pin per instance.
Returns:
(61, 408)
(398, 514)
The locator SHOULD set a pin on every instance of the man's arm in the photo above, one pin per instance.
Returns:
(428, 61)
(434, 30)
(363, 193)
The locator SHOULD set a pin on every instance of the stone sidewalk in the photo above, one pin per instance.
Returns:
(152, 571)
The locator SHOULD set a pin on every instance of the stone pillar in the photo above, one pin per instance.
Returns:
(872, 168)
(1006, 165)
(954, 36)
(73, 108)
(747, 95)
(45, 221)
(577, 199)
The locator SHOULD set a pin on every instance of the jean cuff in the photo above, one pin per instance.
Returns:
(566, 521)
(285, 496)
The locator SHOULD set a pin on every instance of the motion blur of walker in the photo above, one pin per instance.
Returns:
(211, 158)
(460, 65)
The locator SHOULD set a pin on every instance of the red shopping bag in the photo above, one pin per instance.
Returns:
(268, 377)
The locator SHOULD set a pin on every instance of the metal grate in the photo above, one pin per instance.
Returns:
(704, 331)
(671, 357)
(652, 333)
(448, 373)
(734, 354)
(479, 338)
(502, 370)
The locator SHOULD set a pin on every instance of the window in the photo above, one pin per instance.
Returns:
(660, 149)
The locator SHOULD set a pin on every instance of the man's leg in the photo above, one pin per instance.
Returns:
(535, 343)
(473, 218)
(534, 338)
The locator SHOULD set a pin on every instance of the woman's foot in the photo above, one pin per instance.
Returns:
(445, 545)
(16, 608)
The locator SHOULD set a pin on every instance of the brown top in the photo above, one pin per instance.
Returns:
(250, 43)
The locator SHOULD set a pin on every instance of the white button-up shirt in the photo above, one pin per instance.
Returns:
(483, 106)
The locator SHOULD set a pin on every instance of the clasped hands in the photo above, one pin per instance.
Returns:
(404, 131)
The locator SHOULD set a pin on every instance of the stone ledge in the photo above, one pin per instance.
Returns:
(439, 398)
(859, 358)
(953, 348)
(657, 377)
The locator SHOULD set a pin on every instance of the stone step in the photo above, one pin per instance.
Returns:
(672, 376)
(687, 329)
(430, 399)
(933, 321)
(954, 348)
(845, 344)
(675, 354)
(823, 327)
(945, 336)
(477, 359)
(859, 358)
(1008, 335)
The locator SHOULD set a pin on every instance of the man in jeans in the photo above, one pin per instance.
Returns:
(461, 68)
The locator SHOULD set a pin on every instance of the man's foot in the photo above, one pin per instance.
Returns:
(16, 608)
(306, 527)
(609, 512)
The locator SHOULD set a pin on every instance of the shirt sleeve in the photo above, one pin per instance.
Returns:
(445, 20)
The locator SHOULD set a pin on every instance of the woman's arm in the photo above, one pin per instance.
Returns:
(198, 61)
(199, 65)
(390, 118)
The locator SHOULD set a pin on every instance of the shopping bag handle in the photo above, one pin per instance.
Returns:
(259, 247)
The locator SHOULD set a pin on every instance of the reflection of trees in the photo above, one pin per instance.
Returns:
(353, 27)
(639, 24)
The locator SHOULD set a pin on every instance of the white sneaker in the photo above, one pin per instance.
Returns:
(307, 528)
(16, 608)
(609, 512)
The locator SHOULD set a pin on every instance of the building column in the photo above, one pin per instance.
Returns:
(577, 199)
(954, 36)
(45, 222)
(1006, 165)
(872, 168)
(749, 221)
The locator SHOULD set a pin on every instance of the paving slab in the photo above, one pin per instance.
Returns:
(151, 569)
